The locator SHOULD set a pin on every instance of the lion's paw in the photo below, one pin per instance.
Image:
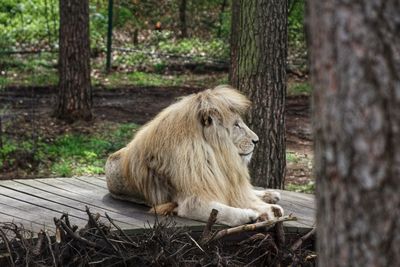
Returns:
(271, 196)
(246, 216)
(270, 213)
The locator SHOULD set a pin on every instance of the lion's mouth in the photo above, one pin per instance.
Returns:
(245, 154)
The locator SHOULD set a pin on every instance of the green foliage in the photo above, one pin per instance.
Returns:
(8, 147)
(215, 49)
(79, 154)
(296, 23)
(74, 154)
(292, 157)
(118, 79)
(62, 169)
(27, 22)
(299, 88)
(308, 188)
(161, 51)
(71, 154)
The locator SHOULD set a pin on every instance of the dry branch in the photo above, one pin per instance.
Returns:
(162, 244)
(51, 249)
(251, 227)
(207, 232)
(120, 231)
(75, 235)
(300, 241)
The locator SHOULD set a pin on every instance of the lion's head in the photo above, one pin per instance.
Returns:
(199, 145)
(220, 111)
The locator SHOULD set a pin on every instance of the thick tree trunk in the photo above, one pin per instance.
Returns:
(259, 70)
(355, 56)
(182, 18)
(75, 96)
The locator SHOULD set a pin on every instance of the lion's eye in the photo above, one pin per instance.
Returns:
(237, 124)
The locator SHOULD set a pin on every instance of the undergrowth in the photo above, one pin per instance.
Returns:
(68, 155)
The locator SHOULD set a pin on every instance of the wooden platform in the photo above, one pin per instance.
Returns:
(35, 202)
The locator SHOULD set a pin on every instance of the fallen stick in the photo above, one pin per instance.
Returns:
(75, 235)
(93, 222)
(207, 234)
(300, 241)
(250, 227)
(121, 231)
(51, 249)
(280, 234)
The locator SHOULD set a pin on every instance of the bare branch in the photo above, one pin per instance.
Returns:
(251, 227)
(300, 241)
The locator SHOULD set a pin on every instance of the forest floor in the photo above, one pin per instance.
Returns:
(30, 133)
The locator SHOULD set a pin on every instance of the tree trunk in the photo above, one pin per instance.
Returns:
(259, 70)
(75, 96)
(355, 56)
(235, 30)
(182, 18)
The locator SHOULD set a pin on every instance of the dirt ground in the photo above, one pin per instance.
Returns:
(140, 104)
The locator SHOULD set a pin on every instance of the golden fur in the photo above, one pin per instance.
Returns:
(192, 148)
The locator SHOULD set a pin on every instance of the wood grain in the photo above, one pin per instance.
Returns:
(34, 203)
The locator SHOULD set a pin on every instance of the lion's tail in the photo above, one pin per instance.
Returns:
(165, 208)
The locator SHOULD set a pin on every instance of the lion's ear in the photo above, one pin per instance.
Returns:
(206, 121)
(207, 116)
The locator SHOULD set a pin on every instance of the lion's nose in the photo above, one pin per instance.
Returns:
(255, 141)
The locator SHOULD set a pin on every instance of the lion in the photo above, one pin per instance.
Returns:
(192, 158)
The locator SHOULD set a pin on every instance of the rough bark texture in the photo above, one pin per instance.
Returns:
(74, 97)
(235, 30)
(259, 70)
(355, 57)
(182, 18)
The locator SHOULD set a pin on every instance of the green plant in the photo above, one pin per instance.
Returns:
(62, 169)
(308, 188)
(292, 157)
(303, 88)
(296, 23)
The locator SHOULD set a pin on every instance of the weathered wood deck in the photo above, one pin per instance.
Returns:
(35, 202)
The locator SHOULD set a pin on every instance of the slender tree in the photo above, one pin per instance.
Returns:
(74, 96)
(355, 56)
(258, 68)
(182, 18)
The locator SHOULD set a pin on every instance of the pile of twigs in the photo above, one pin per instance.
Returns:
(102, 243)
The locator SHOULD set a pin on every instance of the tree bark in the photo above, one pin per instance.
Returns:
(355, 56)
(182, 18)
(75, 96)
(234, 42)
(259, 70)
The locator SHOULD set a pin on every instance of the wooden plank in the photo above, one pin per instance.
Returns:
(103, 200)
(101, 177)
(84, 199)
(39, 200)
(52, 209)
(294, 202)
(69, 203)
(93, 180)
(301, 206)
(34, 217)
(85, 185)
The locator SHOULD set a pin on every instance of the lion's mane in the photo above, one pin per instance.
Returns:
(182, 153)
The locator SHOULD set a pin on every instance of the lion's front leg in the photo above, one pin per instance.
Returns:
(198, 209)
(267, 195)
